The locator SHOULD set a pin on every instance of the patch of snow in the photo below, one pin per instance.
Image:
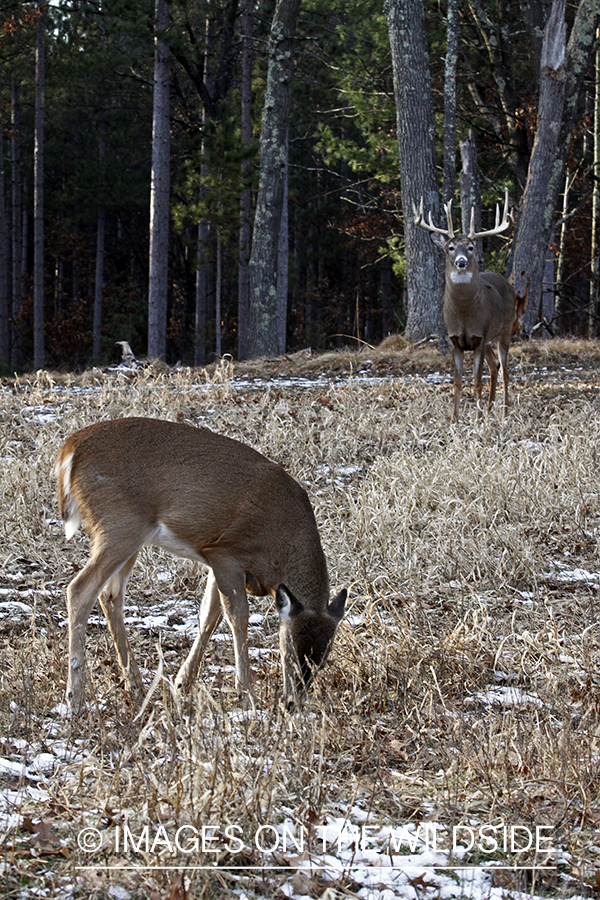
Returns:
(574, 575)
(505, 696)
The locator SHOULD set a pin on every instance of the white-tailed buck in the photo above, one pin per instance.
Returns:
(478, 308)
(208, 498)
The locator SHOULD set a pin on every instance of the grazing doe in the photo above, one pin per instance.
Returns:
(205, 497)
(478, 308)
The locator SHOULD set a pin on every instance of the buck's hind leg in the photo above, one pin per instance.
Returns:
(492, 362)
(503, 354)
(210, 616)
(111, 601)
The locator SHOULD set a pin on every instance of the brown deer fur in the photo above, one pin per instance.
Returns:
(206, 497)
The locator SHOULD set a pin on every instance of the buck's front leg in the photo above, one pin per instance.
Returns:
(458, 370)
(478, 357)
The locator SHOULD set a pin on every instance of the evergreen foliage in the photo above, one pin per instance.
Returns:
(347, 269)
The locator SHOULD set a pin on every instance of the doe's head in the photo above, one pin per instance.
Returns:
(305, 639)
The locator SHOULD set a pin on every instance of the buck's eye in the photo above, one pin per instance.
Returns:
(451, 248)
(470, 248)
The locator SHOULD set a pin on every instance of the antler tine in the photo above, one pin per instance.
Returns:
(417, 213)
(499, 226)
(429, 226)
(448, 208)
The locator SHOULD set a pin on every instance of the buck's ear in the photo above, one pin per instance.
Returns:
(287, 605)
(338, 605)
(439, 240)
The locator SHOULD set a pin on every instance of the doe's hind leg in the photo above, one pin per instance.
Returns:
(111, 600)
(82, 593)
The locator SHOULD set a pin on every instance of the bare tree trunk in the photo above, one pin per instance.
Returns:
(218, 287)
(562, 68)
(204, 226)
(100, 235)
(17, 246)
(559, 302)
(414, 112)
(283, 255)
(4, 319)
(267, 220)
(470, 191)
(99, 282)
(531, 243)
(450, 100)
(493, 20)
(594, 306)
(202, 282)
(246, 199)
(38, 201)
(158, 280)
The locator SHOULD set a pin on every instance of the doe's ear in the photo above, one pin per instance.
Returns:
(287, 605)
(338, 604)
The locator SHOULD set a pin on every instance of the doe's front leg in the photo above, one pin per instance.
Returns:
(234, 601)
(210, 616)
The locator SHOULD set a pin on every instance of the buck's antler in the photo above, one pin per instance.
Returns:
(420, 221)
(499, 226)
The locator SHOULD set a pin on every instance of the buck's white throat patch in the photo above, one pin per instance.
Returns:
(460, 277)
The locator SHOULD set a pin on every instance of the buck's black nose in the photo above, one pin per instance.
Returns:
(462, 263)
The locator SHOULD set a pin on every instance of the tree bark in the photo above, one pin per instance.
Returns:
(414, 113)
(562, 69)
(560, 303)
(267, 220)
(450, 101)
(4, 319)
(203, 273)
(159, 192)
(283, 255)
(470, 191)
(100, 235)
(99, 282)
(495, 23)
(38, 201)
(531, 242)
(246, 199)
(594, 306)
(218, 288)
(16, 359)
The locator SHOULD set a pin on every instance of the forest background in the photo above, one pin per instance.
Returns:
(78, 98)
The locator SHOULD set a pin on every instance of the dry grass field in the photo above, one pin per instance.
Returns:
(463, 690)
